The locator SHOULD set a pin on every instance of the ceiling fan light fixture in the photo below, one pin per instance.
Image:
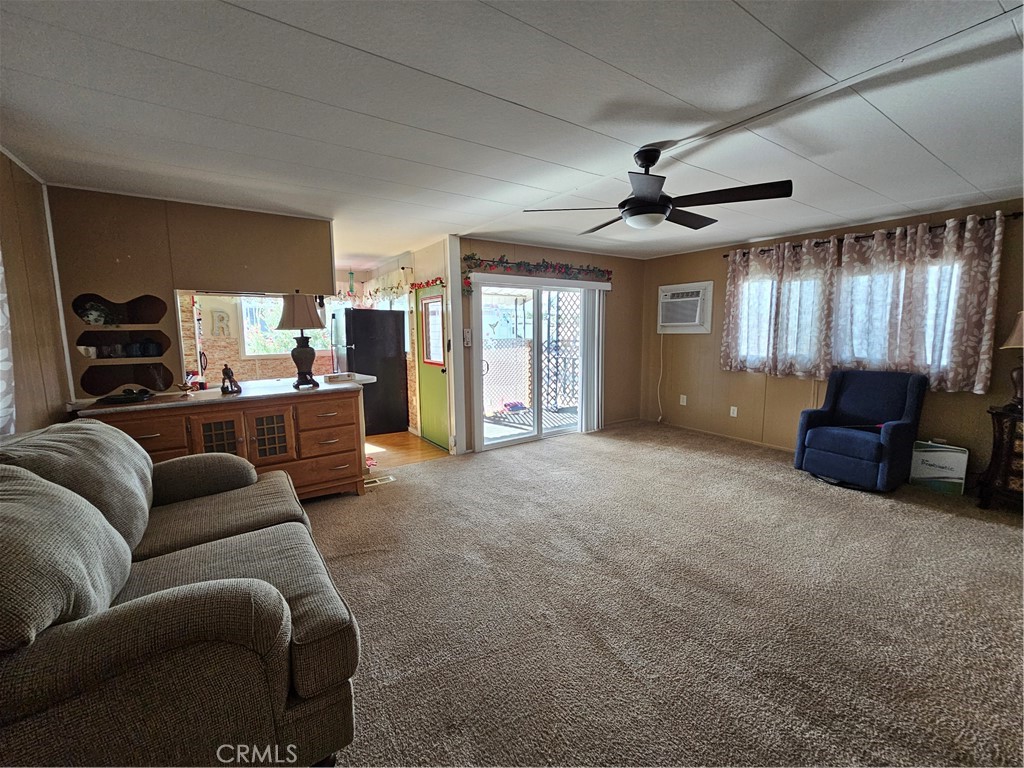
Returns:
(644, 214)
(645, 220)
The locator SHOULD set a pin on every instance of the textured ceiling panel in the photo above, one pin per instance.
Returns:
(405, 122)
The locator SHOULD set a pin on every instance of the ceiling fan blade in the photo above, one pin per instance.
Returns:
(601, 226)
(688, 219)
(646, 186)
(542, 210)
(766, 191)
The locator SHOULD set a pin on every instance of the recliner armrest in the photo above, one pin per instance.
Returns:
(898, 432)
(69, 659)
(809, 419)
(201, 474)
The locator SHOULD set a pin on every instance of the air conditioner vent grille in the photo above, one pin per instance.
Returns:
(685, 308)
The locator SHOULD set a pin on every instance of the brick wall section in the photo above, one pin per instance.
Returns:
(412, 376)
(189, 350)
(220, 350)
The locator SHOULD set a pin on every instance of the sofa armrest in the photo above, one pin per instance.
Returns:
(809, 419)
(201, 474)
(70, 659)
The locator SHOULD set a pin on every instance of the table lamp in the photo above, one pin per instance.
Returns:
(300, 313)
(1015, 341)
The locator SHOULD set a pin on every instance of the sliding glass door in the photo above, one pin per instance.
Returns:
(531, 376)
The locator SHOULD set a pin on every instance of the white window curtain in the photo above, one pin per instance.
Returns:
(778, 316)
(6, 359)
(921, 301)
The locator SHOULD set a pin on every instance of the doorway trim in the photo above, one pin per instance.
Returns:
(592, 345)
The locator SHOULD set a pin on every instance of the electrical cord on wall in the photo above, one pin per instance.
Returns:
(661, 370)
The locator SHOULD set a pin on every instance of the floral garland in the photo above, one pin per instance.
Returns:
(388, 293)
(472, 263)
(427, 284)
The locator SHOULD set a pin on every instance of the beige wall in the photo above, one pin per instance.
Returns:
(40, 374)
(622, 350)
(769, 407)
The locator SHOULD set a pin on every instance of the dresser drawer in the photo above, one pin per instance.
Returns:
(334, 468)
(319, 442)
(327, 413)
(156, 435)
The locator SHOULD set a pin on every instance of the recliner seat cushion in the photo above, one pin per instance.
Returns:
(99, 462)
(860, 444)
(61, 559)
(269, 501)
(325, 639)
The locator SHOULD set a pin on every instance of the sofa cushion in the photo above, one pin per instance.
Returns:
(269, 501)
(61, 559)
(861, 444)
(95, 460)
(325, 640)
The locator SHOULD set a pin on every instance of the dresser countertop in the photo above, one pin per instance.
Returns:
(251, 391)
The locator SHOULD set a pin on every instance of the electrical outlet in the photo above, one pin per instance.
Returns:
(733, 411)
(682, 399)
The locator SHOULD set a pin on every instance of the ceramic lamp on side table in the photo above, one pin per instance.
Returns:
(300, 313)
(1015, 341)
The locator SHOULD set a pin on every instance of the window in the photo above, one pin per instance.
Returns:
(260, 316)
(919, 299)
(778, 309)
(433, 331)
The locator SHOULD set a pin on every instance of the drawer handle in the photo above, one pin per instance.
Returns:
(321, 415)
(329, 442)
(146, 437)
(343, 466)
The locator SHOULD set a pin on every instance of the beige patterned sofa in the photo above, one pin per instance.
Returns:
(168, 614)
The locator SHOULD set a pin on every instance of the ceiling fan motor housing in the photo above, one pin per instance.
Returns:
(644, 214)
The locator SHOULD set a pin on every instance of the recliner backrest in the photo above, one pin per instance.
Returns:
(869, 397)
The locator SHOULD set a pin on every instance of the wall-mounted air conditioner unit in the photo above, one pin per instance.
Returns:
(685, 308)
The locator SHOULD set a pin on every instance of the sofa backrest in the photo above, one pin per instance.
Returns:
(62, 559)
(95, 460)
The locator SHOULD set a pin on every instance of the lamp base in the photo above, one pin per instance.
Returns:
(1016, 376)
(304, 356)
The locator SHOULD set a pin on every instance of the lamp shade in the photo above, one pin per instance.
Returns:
(1016, 338)
(299, 313)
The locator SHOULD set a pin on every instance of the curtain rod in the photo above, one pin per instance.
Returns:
(888, 232)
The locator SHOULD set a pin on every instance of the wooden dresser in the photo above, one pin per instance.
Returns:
(316, 436)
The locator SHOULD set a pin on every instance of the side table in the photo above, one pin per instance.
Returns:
(1003, 480)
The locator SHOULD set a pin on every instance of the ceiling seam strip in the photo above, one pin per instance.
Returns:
(594, 57)
(304, 98)
(282, 133)
(784, 41)
(456, 83)
(914, 139)
(839, 85)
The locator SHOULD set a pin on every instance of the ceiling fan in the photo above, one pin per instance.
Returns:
(649, 206)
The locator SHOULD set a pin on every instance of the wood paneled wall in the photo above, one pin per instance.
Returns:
(40, 372)
(768, 406)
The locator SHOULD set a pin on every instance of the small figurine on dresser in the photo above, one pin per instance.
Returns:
(228, 385)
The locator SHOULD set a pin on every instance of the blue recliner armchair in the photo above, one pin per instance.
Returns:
(863, 436)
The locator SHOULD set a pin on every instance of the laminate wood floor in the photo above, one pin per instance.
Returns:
(397, 449)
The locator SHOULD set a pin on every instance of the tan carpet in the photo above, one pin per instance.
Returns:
(650, 595)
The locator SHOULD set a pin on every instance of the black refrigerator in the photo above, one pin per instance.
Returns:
(375, 345)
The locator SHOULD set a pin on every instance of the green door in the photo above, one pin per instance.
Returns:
(432, 365)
